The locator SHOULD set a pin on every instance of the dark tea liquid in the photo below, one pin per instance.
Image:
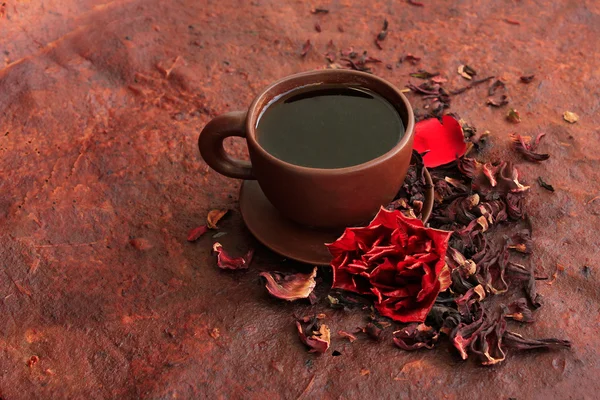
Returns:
(329, 126)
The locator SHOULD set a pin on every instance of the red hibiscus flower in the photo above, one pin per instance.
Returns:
(397, 260)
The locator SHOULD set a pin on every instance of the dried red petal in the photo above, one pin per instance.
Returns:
(225, 261)
(290, 286)
(443, 143)
(347, 335)
(528, 149)
(314, 335)
(194, 234)
(214, 216)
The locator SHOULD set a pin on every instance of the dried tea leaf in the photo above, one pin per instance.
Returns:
(422, 74)
(319, 11)
(213, 218)
(544, 184)
(570, 117)
(195, 233)
(513, 116)
(527, 78)
(466, 72)
(382, 34)
(306, 48)
(364, 372)
(225, 261)
(290, 286)
(317, 27)
(410, 58)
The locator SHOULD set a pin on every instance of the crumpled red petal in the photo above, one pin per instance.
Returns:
(315, 335)
(225, 261)
(396, 260)
(290, 286)
(416, 336)
(444, 142)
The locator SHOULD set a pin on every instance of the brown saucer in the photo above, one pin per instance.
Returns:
(288, 238)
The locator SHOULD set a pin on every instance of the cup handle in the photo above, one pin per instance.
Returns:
(211, 140)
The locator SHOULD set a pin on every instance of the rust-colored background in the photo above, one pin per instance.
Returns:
(98, 146)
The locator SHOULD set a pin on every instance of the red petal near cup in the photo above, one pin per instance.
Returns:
(443, 143)
(194, 234)
(291, 286)
(225, 261)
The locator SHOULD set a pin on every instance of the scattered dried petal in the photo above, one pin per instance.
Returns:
(364, 372)
(195, 233)
(512, 21)
(422, 74)
(347, 335)
(290, 286)
(215, 333)
(466, 72)
(213, 218)
(225, 261)
(513, 116)
(315, 335)
(317, 27)
(570, 117)
(32, 361)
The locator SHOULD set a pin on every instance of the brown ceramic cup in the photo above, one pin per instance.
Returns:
(315, 197)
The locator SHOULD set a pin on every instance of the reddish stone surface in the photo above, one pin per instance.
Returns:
(100, 109)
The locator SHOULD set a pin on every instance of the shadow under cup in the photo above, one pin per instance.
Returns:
(331, 197)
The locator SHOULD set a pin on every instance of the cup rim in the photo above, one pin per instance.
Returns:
(265, 97)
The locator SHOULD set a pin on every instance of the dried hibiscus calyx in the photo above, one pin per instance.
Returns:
(397, 261)
(416, 336)
(514, 340)
(521, 242)
(290, 286)
(527, 148)
(519, 311)
(487, 178)
(314, 334)
(487, 343)
(225, 261)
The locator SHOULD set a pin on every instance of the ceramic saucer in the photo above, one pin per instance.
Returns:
(289, 239)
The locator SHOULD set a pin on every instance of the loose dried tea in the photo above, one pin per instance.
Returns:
(422, 74)
(306, 48)
(314, 334)
(471, 85)
(512, 21)
(213, 218)
(410, 58)
(527, 148)
(290, 286)
(382, 34)
(319, 11)
(195, 233)
(415, 3)
(317, 27)
(225, 261)
(527, 78)
(544, 184)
